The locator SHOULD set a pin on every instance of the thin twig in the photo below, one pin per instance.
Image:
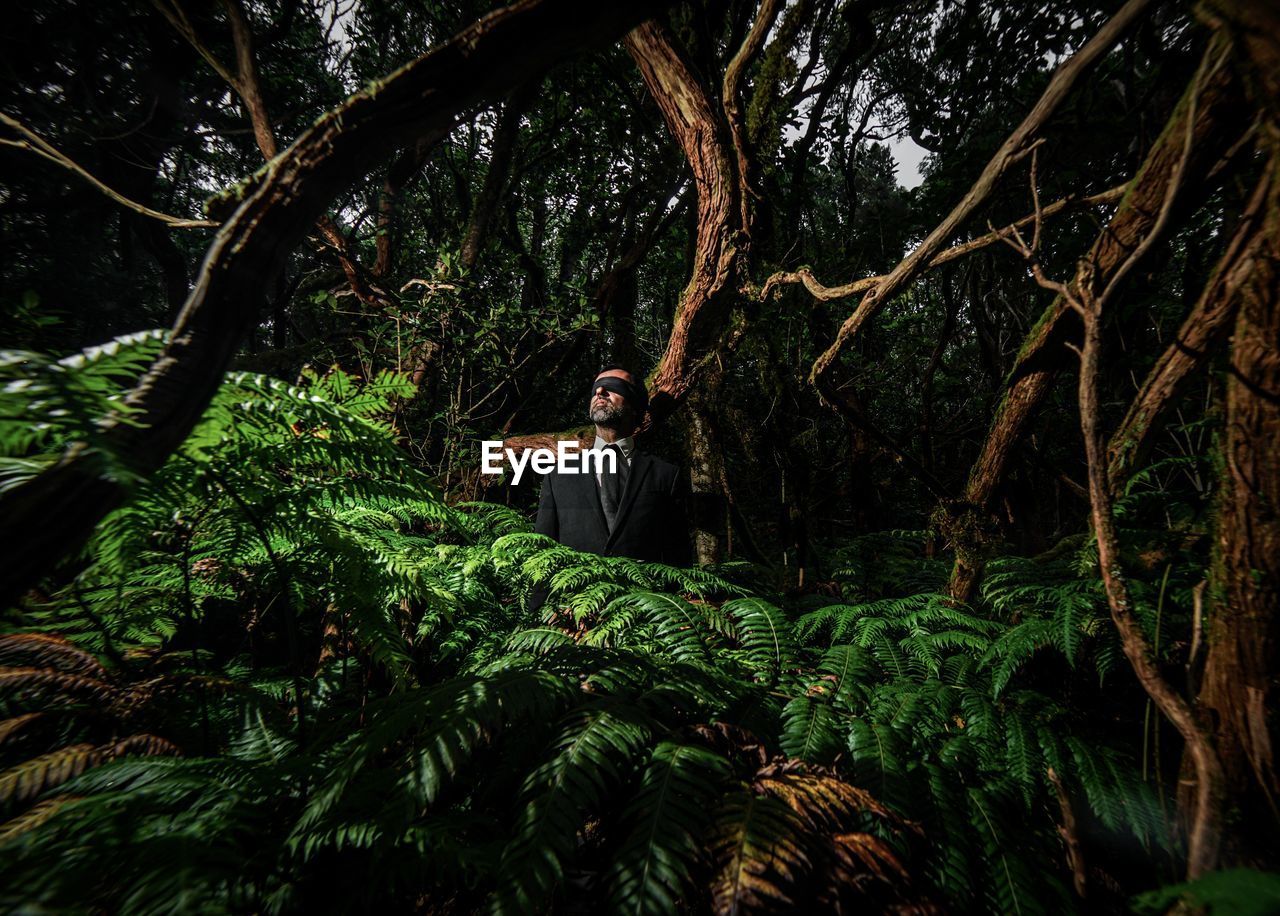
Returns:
(41, 147)
(822, 293)
(1203, 73)
(1017, 145)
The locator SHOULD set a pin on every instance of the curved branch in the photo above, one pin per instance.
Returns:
(687, 108)
(1203, 327)
(829, 293)
(1205, 832)
(41, 147)
(1211, 122)
(247, 84)
(1017, 145)
(733, 76)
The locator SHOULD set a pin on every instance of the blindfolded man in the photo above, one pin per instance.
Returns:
(631, 506)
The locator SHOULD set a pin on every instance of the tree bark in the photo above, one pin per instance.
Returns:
(703, 312)
(1203, 130)
(1241, 680)
(1204, 833)
(706, 470)
(52, 514)
(1203, 327)
(735, 73)
(1238, 686)
(805, 277)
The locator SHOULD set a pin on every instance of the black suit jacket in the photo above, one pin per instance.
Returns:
(651, 519)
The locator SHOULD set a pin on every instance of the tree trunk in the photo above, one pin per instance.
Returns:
(1241, 680)
(1201, 127)
(706, 471)
(691, 116)
(1200, 331)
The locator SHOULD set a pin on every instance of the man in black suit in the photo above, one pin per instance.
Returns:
(637, 510)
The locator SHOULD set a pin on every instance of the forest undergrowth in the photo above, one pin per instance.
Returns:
(285, 658)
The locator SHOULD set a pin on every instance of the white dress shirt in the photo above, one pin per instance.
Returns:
(628, 446)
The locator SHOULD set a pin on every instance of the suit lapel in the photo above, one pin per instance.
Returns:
(640, 463)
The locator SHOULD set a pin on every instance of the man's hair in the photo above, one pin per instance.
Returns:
(613, 367)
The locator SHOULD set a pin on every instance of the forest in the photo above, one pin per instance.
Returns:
(960, 320)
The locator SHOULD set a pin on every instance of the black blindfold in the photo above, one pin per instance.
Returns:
(634, 395)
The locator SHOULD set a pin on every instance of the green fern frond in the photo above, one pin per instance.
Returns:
(538, 641)
(876, 762)
(764, 633)
(673, 623)
(665, 822)
(1012, 649)
(593, 756)
(810, 731)
(845, 675)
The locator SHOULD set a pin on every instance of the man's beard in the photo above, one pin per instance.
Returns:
(610, 417)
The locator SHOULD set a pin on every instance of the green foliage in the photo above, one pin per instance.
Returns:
(285, 658)
(658, 739)
(46, 403)
(1238, 891)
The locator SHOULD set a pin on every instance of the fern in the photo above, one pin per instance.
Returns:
(656, 739)
(592, 754)
(753, 841)
(664, 827)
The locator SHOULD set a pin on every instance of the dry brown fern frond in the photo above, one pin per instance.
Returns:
(31, 777)
(33, 817)
(50, 680)
(142, 745)
(16, 724)
(757, 853)
(51, 650)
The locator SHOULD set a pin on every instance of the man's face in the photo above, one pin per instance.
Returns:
(608, 408)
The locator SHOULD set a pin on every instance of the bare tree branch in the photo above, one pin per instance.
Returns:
(1205, 833)
(1204, 325)
(173, 11)
(1212, 121)
(829, 293)
(1017, 145)
(41, 147)
(247, 84)
(733, 77)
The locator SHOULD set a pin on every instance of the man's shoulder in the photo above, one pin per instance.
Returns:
(661, 468)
